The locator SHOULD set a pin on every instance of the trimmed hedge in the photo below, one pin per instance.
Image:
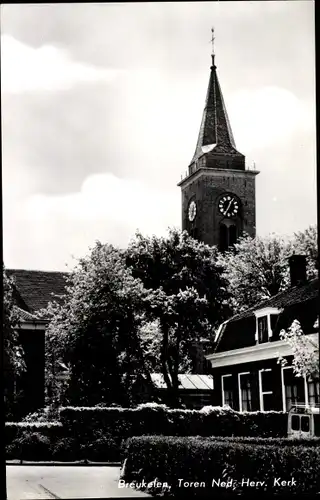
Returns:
(31, 440)
(158, 419)
(177, 461)
(97, 433)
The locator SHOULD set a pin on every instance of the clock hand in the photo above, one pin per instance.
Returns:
(228, 206)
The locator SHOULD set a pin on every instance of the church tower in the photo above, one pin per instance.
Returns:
(218, 192)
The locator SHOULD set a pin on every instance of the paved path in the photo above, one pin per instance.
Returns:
(42, 482)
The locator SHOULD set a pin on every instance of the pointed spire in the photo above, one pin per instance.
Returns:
(215, 130)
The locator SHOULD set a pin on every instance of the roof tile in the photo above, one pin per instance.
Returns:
(37, 288)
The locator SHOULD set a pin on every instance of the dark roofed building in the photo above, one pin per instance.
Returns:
(195, 390)
(33, 290)
(244, 362)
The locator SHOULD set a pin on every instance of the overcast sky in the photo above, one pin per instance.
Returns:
(101, 108)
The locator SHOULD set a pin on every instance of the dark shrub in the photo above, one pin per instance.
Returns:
(103, 449)
(231, 460)
(65, 450)
(31, 446)
(30, 440)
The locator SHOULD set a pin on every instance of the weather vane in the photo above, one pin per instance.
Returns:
(212, 40)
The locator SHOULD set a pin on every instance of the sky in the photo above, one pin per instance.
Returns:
(102, 104)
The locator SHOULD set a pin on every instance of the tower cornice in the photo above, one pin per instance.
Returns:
(216, 172)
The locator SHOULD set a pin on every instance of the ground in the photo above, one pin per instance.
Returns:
(54, 482)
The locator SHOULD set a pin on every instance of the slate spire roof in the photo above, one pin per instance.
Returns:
(215, 131)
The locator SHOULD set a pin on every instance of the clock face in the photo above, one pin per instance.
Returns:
(192, 212)
(228, 205)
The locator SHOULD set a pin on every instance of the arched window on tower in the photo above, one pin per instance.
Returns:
(223, 237)
(194, 233)
(232, 235)
(228, 236)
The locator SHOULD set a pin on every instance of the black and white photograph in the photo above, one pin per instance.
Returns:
(160, 250)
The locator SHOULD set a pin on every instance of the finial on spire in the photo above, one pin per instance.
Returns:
(212, 40)
(212, 44)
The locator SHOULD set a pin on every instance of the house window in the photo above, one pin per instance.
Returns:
(313, 387)
(245, 398)
(292, 389)
(227, 390)
(291, 392)
(266, 320)
(263, 329)
(265, 389)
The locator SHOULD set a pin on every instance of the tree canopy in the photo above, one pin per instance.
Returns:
(129, 312)
(95, 330)
(187, 295)
(257, 268)
(13, 356)
(305, 351)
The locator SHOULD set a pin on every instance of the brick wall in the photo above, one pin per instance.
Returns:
(206, 189)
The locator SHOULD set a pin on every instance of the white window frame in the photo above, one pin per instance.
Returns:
(260, 313)
(284, 408)
(306, 395)
(261, 392)
(306, 392)
(222, 386)
(239, 388)
(307, 380)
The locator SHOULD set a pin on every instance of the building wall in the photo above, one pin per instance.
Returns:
(205, 188)
(275, 400)
(194, 400)
(32, 382)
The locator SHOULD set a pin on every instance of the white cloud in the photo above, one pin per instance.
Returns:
(266, 116)
(47, 68)
(109, 209)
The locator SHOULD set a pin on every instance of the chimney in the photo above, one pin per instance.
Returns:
(298, 269)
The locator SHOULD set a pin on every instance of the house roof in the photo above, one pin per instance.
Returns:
(187, 381)
(298, 302)
(25, 315)
(293, 295)
(35, 289)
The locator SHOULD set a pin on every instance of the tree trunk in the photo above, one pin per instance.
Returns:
(165, 358)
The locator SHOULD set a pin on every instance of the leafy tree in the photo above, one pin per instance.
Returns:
(182, 319)
(258, 268)
(150, 339)
(306, 243)
(187, 295)
(305, 351)
(95, 330)
(13, 356)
